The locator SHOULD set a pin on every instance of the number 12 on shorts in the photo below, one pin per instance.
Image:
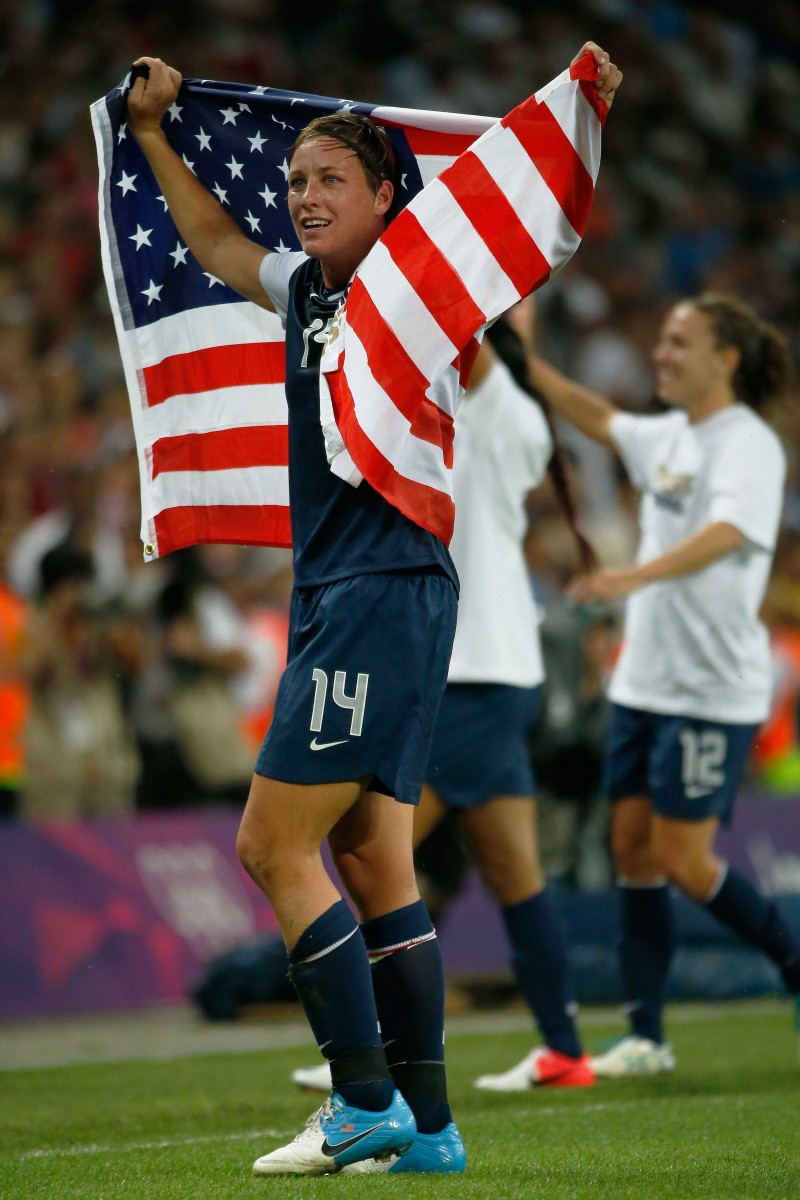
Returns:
(355, 703)
(704, 753)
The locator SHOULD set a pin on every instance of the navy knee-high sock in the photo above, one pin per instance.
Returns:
(408, 980)
(330, 971)
(757, 920)
(646, 946)
(542, 970)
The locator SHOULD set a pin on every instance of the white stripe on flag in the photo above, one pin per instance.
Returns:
(537, 208)
(251, 486)
(203, 328)
(448, 226)
(223, 408)
(582, 132)
(387, 428)
(409, 318)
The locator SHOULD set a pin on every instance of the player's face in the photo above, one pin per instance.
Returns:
(688, 364)
(335, 212)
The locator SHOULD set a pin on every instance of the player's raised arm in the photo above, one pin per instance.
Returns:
(213, 237)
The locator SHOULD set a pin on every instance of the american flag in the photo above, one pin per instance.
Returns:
(507, 205)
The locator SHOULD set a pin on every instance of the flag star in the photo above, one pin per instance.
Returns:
(179, 253)
(122, 132)
(282, 124)
(280, 248)
(235, 168)
(212, 279)
(257, 142)
(163, 201)
(230, 115)
(175, 111)
(126, 83)
(298, 100)
(268, 197)
(204, 139)
(347, 106)
(127, 183)
(258, 91)
(284, 168)
(190, 165)
(403, 178)
(153, 292)
(141, 237)
(253, 222)
(244, 107)
(220, 193)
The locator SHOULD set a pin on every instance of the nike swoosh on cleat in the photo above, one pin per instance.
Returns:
(330, 1150)
(315, 745)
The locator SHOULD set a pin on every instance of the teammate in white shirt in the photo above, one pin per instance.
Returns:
(692, 683)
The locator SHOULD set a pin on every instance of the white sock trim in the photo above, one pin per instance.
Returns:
(716, 886)
(327, 949)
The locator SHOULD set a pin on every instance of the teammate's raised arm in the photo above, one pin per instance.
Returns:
(213, 237)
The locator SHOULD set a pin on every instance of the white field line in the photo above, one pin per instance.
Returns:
(734, 1098)
(161, 1144)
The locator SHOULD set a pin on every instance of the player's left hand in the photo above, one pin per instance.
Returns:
(609, 76)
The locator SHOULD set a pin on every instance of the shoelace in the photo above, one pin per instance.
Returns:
(330, 1108)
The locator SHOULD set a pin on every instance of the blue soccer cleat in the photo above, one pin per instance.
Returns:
(431, 1153)
(337, 1135)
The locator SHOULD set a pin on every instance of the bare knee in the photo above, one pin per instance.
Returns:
(632, 846)
(258, 858)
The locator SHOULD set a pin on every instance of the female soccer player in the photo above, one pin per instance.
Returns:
(693, 681)
(480, 764)
(372, 626)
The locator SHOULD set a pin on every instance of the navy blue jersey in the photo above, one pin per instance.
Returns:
(337, 530)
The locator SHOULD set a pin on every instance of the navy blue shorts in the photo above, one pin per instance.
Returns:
(690, 768)
(367, 666)
(480, 744)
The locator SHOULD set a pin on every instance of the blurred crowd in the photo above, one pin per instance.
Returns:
(127, 686)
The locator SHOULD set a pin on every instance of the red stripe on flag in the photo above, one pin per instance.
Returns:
(426, 506)
(223, 449)
(427, 142)
(396, 374)
(243, 524)
(435, 281)
(216, 367)
(495, 220)
(466, 361)
(585, 71)
(555, 158)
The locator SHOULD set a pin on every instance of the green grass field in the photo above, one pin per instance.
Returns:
(726, 1124)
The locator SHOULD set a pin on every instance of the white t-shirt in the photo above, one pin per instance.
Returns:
(501, 450)
(694, 645)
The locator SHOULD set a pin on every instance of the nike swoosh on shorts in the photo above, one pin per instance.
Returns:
(315, 745)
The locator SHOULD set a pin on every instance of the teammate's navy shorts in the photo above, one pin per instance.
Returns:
(480, 743)
(689, 767)
(367, 666)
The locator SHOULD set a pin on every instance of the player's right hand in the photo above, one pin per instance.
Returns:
(149, 99)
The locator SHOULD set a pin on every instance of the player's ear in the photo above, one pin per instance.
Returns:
(384, 197)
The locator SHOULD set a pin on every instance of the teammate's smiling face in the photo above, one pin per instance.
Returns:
(335, 212)
(690, 368)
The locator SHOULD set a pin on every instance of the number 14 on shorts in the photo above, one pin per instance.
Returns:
(356, 702)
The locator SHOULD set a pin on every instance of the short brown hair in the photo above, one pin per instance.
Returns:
(369, 142)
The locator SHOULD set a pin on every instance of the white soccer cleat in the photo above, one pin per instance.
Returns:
(543, 1067)
(634, 1056)
(338, 1134)
(313, 1079)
